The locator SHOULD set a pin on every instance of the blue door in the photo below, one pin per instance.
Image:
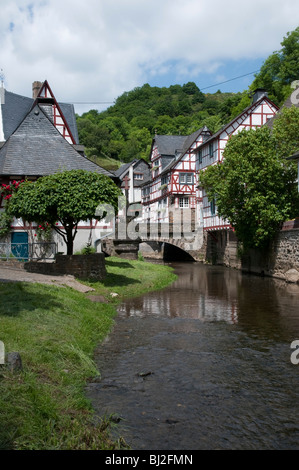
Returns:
(19, 245)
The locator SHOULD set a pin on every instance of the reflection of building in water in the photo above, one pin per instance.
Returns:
(267, 307)
(199, 293)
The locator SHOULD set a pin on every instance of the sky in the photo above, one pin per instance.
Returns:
(92, 52)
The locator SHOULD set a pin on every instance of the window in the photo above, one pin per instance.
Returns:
(200, 156)
(211, 150)
(138, 176)
(189, 178)
(184, 202)
(213, 207)
(162, 204)
(164, 180)
(146, 191)
(186, 178)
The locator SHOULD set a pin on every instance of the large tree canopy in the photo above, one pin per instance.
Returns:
(280, 69)
(255, 187)
(65, 198)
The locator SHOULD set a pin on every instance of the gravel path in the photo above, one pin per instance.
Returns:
(10, 274)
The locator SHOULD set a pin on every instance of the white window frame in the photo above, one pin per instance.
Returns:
(183, 202)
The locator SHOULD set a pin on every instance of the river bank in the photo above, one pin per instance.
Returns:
(56, 330)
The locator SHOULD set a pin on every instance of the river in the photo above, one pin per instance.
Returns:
(204, 364)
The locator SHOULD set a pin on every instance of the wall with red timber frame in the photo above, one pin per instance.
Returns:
(211, 153)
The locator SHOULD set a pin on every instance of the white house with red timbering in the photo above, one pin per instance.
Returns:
(38, 137)
(172, 196)
(211, 152)
(172, 187)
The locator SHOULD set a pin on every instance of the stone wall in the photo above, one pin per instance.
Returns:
(81, 266)
(221, 247)
(281, 261)
(127, 249)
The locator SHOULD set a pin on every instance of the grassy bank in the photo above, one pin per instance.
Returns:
(56, 330)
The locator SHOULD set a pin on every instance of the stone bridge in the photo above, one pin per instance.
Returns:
(170, 241)
(158, 241)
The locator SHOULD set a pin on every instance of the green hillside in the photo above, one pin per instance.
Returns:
(125, 130)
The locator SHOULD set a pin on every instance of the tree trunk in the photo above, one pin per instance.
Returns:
(70, 247)
(69, 241)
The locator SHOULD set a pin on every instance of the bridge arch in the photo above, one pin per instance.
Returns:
(164, 250)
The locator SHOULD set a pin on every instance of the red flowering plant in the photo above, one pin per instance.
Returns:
(43, 231)
(6, 192)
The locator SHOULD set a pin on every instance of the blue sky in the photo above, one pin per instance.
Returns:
(93, 51)
(232, 76)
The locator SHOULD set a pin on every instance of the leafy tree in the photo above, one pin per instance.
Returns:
(286, 131)
(67, 197)
(254, 188)
(109, 133)
(280, 69)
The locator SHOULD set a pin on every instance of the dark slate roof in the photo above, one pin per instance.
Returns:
(137, 165)
(14, 110)
(170, 144)
(68, 111)
(16, 107)
(124, 168)
(187, 142)
(37, 148)
(192, 138)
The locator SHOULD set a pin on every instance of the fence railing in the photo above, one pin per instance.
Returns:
(28, 251)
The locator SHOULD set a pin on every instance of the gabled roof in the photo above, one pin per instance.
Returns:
(37, 148)
(169, 144)
(47, 100)
(246, 110)
(16, 107)
(121, 171)
(187, 142)
(124, 170)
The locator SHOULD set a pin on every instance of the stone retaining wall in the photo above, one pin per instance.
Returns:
(81, 266)
(282, 260)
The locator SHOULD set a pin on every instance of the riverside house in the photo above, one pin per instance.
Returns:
(176, 162)
(38, 137)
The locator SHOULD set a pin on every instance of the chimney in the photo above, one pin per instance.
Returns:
(258, 94)
(36, 86)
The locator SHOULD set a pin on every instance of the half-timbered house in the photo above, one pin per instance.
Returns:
(39, 137)
(173, 183)
(132, 176)
(210, 152)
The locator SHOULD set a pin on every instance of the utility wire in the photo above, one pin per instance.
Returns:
(230, 80)
(204, 88)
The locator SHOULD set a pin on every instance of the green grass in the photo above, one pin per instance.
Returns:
(132, 278)
(56, 331)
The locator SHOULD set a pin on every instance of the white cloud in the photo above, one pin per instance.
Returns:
(97, 49)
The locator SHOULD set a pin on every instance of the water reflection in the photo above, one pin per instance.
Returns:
(215, 347)
(209, 294)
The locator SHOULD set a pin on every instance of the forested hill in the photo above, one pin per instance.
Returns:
(125, 130)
